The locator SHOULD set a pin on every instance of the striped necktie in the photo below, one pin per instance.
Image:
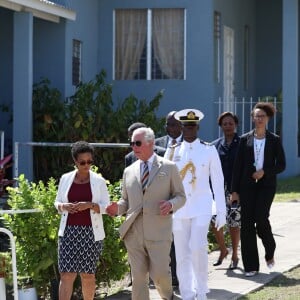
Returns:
(145, 175)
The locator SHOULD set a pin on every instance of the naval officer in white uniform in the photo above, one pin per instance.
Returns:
(198, 162)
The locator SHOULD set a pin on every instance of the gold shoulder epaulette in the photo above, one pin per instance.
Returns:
(205, 143)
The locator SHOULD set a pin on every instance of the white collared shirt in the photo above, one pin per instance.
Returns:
(170, 139)
(259, 149)
(149, 163)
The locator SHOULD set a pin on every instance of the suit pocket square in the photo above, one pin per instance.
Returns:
(162, 174)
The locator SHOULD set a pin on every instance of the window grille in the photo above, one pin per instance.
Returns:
(76, 62)
(149, 44)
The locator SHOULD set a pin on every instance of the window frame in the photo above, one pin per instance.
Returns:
(149, 46)
(76, 48)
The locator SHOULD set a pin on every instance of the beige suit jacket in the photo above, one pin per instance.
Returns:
(164, 184)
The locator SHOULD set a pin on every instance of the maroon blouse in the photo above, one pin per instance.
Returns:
(80, 193)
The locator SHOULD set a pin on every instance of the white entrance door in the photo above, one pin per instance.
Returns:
(228, 81)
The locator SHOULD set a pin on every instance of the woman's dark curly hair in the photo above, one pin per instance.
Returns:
(267, 107)
(81, 147)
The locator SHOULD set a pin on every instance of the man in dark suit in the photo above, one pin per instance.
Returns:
(130, 157)
(174, 132)
(151, 190)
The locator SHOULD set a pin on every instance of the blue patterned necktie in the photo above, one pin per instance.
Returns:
(145, 176)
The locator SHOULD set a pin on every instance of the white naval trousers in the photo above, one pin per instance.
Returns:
(190, 240)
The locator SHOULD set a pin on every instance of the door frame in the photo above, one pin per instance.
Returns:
(228, 68)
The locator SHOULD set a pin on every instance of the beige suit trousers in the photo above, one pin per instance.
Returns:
(148, 258)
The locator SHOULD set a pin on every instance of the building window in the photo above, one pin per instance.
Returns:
(149, 44)
(217, 45)
(76, 62)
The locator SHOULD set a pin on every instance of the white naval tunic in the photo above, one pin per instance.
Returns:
(207, 165)
(198, 163)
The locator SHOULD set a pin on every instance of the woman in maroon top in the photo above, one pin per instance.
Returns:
(81, 199)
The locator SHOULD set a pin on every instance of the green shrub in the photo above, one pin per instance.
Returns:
(90, 115)
(36, 235)
(113, 261)
(6, 267)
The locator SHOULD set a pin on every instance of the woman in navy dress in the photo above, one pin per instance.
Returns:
(227, 149)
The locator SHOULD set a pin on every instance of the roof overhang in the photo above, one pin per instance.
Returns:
(42, 9)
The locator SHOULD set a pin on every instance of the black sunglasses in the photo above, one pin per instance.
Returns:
(87, 162)
(136, 143)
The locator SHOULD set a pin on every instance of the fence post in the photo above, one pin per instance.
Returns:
(14, 261)
(16, 160)
(2, 279)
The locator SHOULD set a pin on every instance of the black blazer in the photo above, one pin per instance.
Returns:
(163, 141)
(274, 162)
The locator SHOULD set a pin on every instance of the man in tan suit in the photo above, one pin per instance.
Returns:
(152, 190)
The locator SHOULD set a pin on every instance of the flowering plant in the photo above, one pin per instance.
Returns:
(5, 163)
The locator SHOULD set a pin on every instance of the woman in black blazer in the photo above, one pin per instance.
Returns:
(260, 157)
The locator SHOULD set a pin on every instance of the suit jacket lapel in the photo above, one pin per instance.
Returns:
(137, 171)
(268, 146)
(165, 142)
(155, 167)
(250, 142)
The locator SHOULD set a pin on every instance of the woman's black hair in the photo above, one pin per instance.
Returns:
(228, 114)
(267, 107)
(81, 147)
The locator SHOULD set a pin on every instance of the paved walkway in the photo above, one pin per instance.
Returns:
(230, 285)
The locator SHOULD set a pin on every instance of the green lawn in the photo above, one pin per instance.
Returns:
(284, 287)
(288, 189)
(287, 285)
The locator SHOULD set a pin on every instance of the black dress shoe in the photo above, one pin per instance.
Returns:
(233, 265)
(218, 262)
(220, 259)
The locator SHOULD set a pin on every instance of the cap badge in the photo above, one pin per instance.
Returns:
(191, 115)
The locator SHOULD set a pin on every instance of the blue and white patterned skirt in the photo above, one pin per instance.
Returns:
(78, 252)
(233, 216)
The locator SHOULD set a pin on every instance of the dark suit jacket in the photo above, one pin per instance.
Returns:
(163, 141)
(274, 162)
(131, 158)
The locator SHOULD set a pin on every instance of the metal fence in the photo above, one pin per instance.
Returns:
(13, 249)
(242, 108)
(42, 144)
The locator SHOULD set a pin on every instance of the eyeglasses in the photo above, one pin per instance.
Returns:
(260, 116)
(136, 143)
(85, 162)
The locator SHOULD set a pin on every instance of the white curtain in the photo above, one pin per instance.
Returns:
(168, 41)
(131, 31)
